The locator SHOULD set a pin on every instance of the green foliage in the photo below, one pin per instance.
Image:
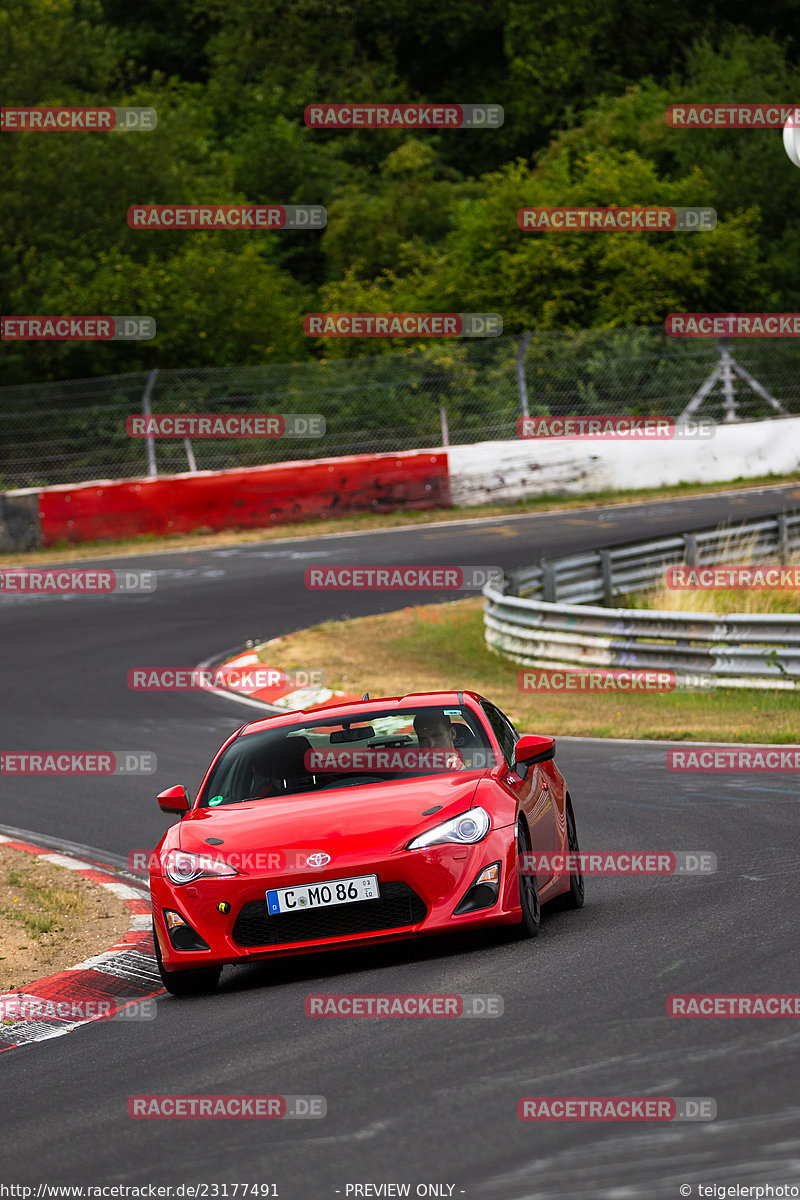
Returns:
(416, 221)
(571, 279)
(55, 51)
(399, 220)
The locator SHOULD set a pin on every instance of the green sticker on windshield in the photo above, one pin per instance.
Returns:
(215, 800)
(452, 712)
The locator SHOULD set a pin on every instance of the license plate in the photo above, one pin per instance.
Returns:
(322, 895)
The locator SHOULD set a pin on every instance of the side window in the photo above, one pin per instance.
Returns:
(503, 731)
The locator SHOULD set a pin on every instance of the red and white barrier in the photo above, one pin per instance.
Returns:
(488, 472)
(245, 498)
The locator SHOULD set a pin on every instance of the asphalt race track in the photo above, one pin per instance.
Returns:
(410, 1101)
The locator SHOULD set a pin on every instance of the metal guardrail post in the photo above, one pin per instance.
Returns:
(549, 582)
(783, 538)
(690, 553)
(608, 577)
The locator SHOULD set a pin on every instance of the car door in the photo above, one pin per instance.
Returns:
(533, 793)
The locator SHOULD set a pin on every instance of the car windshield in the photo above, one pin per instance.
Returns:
(370, 748)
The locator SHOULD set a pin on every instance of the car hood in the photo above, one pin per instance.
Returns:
(383, 817)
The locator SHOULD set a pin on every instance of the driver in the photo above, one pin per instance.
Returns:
(435, 732)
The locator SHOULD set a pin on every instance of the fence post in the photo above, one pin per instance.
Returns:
(151, 449)
(524, 342)
(690, 551)
(443, 418)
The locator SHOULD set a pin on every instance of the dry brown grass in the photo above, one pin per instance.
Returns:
(442, 646)
(738, 551)
(51, 918)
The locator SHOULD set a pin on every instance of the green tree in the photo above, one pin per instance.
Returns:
(55, 51)
(551, 280)
(398, 220)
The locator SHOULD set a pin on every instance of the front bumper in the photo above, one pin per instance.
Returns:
(419, 888)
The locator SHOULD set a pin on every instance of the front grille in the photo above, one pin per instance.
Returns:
(398, 905)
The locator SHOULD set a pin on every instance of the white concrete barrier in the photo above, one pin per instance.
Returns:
(513, 470)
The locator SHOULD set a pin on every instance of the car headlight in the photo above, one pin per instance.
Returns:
(464, 829)
(181, 867)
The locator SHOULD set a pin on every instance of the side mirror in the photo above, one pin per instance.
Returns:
(174, 800)
(532, 749)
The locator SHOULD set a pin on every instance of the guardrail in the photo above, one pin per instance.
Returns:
(542, 616)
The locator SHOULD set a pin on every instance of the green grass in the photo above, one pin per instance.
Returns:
(39, 904)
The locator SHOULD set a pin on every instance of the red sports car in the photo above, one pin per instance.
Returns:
(361, 823)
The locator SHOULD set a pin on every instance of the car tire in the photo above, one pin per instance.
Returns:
(530, 921)
(193, 982)
(575, 896)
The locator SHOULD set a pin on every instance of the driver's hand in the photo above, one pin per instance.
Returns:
(454, 761)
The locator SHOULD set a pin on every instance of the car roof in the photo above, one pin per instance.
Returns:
(354, 708)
